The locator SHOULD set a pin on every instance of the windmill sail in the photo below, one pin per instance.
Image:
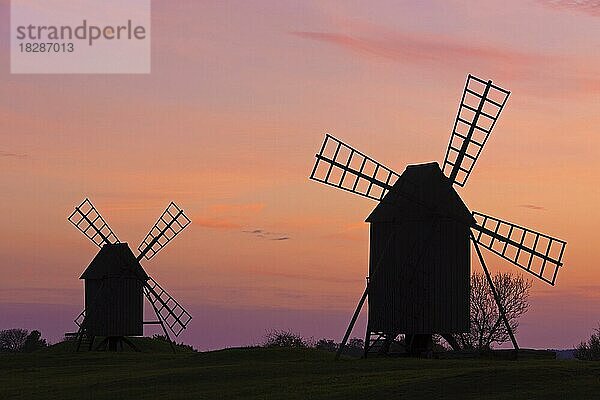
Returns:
(480, 106)
(346, 168)
(80, 318)
(536, 253)
(89, 221)
(168, 225)
(168, 310)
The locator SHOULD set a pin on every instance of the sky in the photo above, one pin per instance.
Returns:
(227, 124)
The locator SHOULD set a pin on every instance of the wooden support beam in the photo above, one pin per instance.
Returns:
(495, 293)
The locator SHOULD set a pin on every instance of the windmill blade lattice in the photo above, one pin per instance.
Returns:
(168, 225)
(537, 253)
(171, 313)
(346, 168)
(80, 318)
(89, 221)
(480, 106)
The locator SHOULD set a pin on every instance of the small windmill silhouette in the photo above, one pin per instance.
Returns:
(419, 263)
(115, 281)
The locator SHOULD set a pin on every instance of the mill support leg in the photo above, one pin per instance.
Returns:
(79, 340)
(102, 344)
(112, 343)
(169, 339)
(367, 341)
(352, 322)
(448, 337)
(387, 343)
(130, 344)
(418, 344)
(79, 337)
(360, 305)
(495, 293)
(162, 324)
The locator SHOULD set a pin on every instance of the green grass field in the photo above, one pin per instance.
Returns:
(286, 374)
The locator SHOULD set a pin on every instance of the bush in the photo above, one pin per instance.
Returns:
(34, 342)
(354, 347)
(355, 344)
(327, 345)
(16, 340)
(589, 350)
(285, 339)
(181, 345)
(291, 340)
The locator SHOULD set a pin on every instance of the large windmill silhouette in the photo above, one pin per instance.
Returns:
(115, 281)
(419, 262)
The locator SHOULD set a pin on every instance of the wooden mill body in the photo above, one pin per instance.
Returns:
(114, 302)
(419, 265)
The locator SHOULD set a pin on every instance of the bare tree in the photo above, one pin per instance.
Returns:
(12, 340)
(487, 327)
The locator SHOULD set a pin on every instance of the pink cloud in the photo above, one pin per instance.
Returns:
(402, 47)
(588, 85)
(590, 7)
(542, 74)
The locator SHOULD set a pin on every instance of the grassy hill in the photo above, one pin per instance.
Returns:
(285, 374)
(143, 344)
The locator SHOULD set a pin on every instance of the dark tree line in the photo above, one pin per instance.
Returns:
(289, 339)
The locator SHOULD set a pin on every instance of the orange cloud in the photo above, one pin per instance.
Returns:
(532, 206)
(355, 232)
(237, 209)
(216, 222)
(227, 216)
(10, 154)
(263, 234)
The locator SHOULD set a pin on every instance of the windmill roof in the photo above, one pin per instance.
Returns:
(430, 194)
(114, 259)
